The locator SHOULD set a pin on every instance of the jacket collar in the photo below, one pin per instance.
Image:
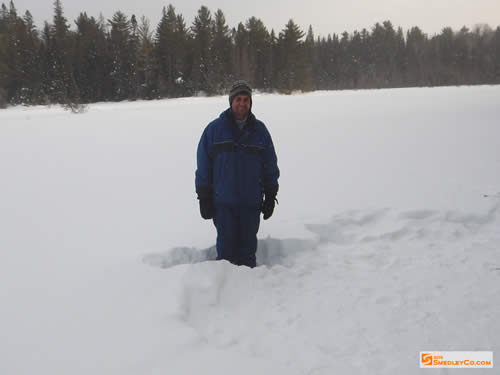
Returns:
(231, 122)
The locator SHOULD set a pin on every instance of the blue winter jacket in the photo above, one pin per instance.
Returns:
(236, 167)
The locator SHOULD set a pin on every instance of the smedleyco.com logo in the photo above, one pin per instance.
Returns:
(425, 359)
(456, 359)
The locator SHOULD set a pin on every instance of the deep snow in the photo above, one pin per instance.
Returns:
(383, 244)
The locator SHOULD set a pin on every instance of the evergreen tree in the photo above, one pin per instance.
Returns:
(495, 42)
(4, 16)
(484, 65)
(46, 66)
(11, 73)
(166, 51)
(399, 58)
(446, 72)
(122, 70)
(185, 58)
(145, 60)
(220, 75)
(319, 66)
(355, 57)
(259, 50)
(415, 62)
(133, 82)
(59, 83)
(291, 58)
(272, 65)
(90, 56)
(345, 62)
(311, 60)
(19, 70)
(29, 49)
(202, 30)
(4, 72)
(241, 53)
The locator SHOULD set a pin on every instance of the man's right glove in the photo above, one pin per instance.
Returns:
(207, 207)
(269, 202)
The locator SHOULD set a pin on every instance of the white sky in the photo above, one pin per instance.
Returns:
(326, 16)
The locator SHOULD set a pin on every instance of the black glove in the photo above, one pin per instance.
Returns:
(269, 202)
(207, 207)
(268, 208)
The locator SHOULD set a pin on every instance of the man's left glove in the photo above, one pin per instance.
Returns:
(207, 207)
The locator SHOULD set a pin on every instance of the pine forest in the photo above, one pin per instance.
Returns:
(127, 58)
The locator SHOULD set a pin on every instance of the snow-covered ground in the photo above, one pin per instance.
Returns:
(383, 244)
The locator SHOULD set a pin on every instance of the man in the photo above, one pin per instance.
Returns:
(237, 177)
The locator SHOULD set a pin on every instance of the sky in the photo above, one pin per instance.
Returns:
(325, 16)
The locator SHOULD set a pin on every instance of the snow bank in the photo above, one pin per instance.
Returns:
(383, 244)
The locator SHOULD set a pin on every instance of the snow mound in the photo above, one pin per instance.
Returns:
(372, 280)
(362, 226)
(348, 228)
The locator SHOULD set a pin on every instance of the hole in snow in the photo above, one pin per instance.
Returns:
(270, 252)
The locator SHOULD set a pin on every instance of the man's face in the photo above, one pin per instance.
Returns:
(241, 106)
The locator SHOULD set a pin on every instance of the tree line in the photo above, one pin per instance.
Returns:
(126, 58)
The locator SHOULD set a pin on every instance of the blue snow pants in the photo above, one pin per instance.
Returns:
(237, 228)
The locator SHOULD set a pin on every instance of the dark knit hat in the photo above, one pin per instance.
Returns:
(238, 88)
